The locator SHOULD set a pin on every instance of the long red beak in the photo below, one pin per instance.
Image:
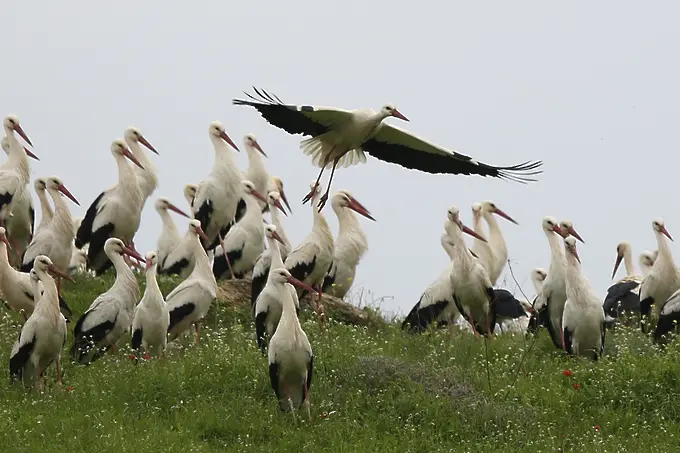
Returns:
(559, 231)
(665, 232)
(575, 253)
(505, 216)
(278, 205)
(127, 153)
(285, 200)
(145, 142)
(467, 230)
(226, 138)
(294, 281)
(204, 236)
(397, 114)
(30, 154)
(65, 191)
(357, 207)
(148, 264)
(619, 258)
(258, 195)
(257, 146)
(573, 232)
(174, 208)
(59, 273)
(19, 130)
(133, 253)
(276, 236)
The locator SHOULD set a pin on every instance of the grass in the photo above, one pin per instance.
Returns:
(376, 390)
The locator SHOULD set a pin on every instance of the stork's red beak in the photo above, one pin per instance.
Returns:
(397, 114)
(30, 154)
(149, 263)
(127, 153)
(54, 270)
(357, 207)
(665, 232)
(278, 205)
(505, 216)
(225, 137)
(4, 239)
(573, 232)
(145, 142)
(467, 230)
(295, 282)
(619, 258)
(276, 236)
(67, 193)
(257, 146)
(202, 234)
(19, 130)
(133, 253)
(258, 195)
(284, 198)
(174, 208)
(575, 253)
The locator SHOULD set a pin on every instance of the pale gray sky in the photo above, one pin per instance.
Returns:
(591, 88)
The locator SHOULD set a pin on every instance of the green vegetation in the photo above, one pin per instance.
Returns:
(376, 389)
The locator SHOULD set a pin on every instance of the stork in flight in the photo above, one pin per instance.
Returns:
(342, 137)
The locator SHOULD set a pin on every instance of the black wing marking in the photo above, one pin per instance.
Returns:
(100, 263)
(220, 267)
(301, 270)
(84, 232)
(18, 361)
(620, 298)
(258, 284)
(287, 117)
(5, 198)
(310, 371)
(180, 312)
(419, 319)
(136, 341)
(329, 278)
(86, 341)
(667, 324)
(507, 306)
(261, 331)
(26, 267)
(437, 163)
(554, 333)
(65, 309)
(176, 268)
(204, 213)
(274, 379)
(241, 209)
(567, 341)
(31, 215)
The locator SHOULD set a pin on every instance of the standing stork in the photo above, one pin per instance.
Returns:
(21, 222)
(584, 328)
(267, 305)
(663, 279)
(277, 186)
(291, 361)
(15, 173)
(342, 137)
(567, 227)
(169, 238)
(115, 213)
(110, 314)
(309, 261)
(146, 174)
(263, 263)
(217, 197)
(624, 295)
(472, 290)
(43, 335)
(539, 315)
(46, 212)
(350, 245)
(244, 242)
(56, 239)
(494, 252)
(190, 301)
(152, 317)
(257, 173)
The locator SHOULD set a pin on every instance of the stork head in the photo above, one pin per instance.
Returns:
(390, 110)
(132, 134)
(217, 131)
(39, 185)
(453, 216)
(271, 233)
(43, 264)
(550, 225)
(251, 144)
(5, 147)
(476, 211)
(33, 275)
(195, 228)
(279, 187)
(660, 227)
(491, 208)
(151, 260)
(274, 201)
(538, 274)
(343, 199)
(116, 247)
(11, 124)
(621, 250)
(281, 276)
(54, 183)
(314, 192)
(163, 204)
(120, 148)
(190, 193)
(249, 189)
(567, 227)
(570, 247)
(647, 258)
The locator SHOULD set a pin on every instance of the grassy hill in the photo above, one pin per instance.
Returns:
(376, 389)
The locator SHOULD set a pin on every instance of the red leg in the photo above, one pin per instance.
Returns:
(197, 326)
(307, 404)
(287, 394)
(324, 197)
(59, 371)
(226, 257)
(112, 349)
(316, 184)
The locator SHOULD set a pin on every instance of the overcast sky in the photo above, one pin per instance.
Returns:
(591, 88)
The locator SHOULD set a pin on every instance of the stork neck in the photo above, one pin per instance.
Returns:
(556, 253)
(495, 235)
(224, 156)
(5, 267)
(17, 158)
(276, 220)
(628, 262)
(448, 247)
(575, 280)
(665, 255)
(62, 219)
(202, 267)
(461, 253)
(275, 253)
(168, 223)
(147, 176)
(320, 224)
(347, 221)
(289, 320)
(124, 275)
(46, 212)
(50, 296)
(253, 210)
(127, 181)
(255, 160)
(151, 282)
(538, 284)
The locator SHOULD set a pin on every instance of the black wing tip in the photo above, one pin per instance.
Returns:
(521, 173)
(259, 98)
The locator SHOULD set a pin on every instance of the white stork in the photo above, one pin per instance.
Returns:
(512, 314)
(669, 318)
(277, 186)
(152, 317)
(190, 301)
(15, 173)
(350, 245)
(567, 227)
(46, 212)
(267, 305)
(646, 260)
(43, 335)
(539, 315)
(146, 174)
(494, 253)
(190, 193)
(309, 261)
(169, 239)
(21, 223)
(584, 328)
(664, 277)
(257, 173)
(624, 295)
(78, 263)
(554, 293)
(244, 242)
(291, 361)
(263, 263)
(56, 239)
(217, 197)
(116, 212)
(110, 315)
(342, 137)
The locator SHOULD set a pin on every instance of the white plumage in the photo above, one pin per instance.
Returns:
(190, 301)
(583, 320)
(46, 212)
(152, 317)
(43, 335)
(493, 254)
(169, 239)
(350, 245)
(146, 174)
(15, 286)
(15, 172)
(110, 315)
(257, 173)
(646, 260)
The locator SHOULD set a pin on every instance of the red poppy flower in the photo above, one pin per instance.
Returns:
(147, 356)
(597, 427)
(69, 388)
(568, 373)
(577, 386)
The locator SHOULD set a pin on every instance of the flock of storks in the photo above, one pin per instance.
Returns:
(228, 237)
